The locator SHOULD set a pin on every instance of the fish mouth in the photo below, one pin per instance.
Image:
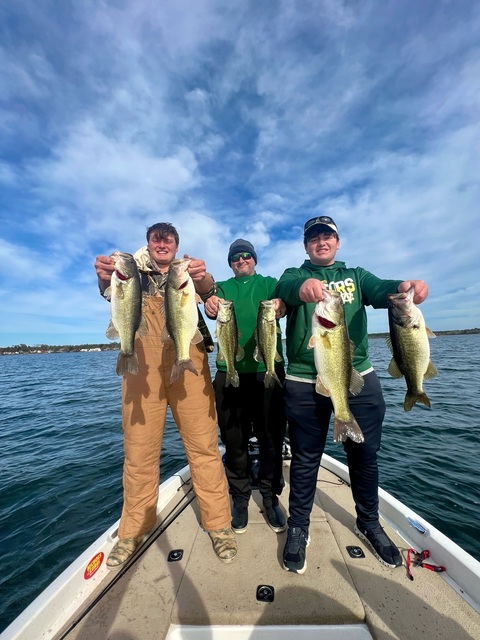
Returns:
(121, 276)
(328, 324)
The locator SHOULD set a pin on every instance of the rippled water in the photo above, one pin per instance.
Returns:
(61, 484)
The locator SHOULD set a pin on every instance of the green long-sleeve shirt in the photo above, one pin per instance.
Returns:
(358, 288)
(246, 293)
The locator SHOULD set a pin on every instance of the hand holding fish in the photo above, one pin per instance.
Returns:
(420, 289)
(197, 270)
(104, 266)
(279, 307)
(312, 290)
(211, 306)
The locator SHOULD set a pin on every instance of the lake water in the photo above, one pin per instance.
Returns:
(62, 456)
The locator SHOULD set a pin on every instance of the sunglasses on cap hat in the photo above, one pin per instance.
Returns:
(245, 255)
(320, 220)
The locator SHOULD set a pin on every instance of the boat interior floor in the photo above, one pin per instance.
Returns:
(144, 599)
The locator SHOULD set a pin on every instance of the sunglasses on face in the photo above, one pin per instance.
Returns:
(245, 256)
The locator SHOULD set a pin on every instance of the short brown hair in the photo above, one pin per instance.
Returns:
(163, 229)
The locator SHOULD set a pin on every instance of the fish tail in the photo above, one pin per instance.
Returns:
(127, 363)
(180, 367)
(232, 379)
(343, 430)
(412, 398)
(270, 379)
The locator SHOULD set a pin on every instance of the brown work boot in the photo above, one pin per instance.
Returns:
(122, 551)
(224, 544)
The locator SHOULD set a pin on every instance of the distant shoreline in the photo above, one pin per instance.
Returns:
(23, 349)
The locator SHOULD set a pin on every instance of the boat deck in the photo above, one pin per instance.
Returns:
(144, 599)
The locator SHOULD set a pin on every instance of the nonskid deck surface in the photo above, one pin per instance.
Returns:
(335, 590)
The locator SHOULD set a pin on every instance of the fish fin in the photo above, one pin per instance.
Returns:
(257, 356)
(278, 329)
(412, 398)
(112, 333)
(240, 353)
(356, 382)
(184, 299)
(430, 333)
(393, 369)
(321, 388)
(180, 367)
(311, 342)
(270, 379)
(197, 337)
(343, 430)
(431, 371)
(326, 344)
(232, 379)
(164, 336)
(278, 357)
(107, 294)
(142, 327)
(127, 363)
(389, 343)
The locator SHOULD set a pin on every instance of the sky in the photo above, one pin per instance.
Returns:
(235, 119)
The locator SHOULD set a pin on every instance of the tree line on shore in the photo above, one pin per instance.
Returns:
(114, 346)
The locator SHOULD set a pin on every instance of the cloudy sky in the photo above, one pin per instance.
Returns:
(235, 120)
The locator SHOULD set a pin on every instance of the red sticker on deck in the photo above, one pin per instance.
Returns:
(94, 565)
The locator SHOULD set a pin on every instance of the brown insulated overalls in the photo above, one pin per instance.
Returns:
(145, 398)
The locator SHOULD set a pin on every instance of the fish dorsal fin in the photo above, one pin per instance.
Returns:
(393, 369)
(388, 340)
(321, 388)
(197, 337)
(142, 327)
(431, 371)
(278, 357)
(164, 336)
(430, 333)
(240, 353)
(356, 382)
(112, 333)
(107, 294)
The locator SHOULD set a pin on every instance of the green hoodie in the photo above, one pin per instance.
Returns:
(358, 288)
(246, 293)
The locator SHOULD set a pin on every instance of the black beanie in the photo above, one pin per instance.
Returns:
(239, 246)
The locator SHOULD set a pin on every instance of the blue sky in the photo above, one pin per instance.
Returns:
(235, 120)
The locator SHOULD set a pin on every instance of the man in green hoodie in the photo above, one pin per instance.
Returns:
(251, 409)
(308, 413)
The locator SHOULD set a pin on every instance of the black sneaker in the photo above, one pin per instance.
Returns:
(240, 519)
(381, 545)
(294, 551)
(275, 518)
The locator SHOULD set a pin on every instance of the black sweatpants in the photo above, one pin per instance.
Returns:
(246, 411)
(308, 414)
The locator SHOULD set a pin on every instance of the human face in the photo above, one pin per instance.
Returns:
(243, 266)
(162, 250)
(322, 248)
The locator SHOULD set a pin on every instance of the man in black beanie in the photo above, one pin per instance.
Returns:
(245, 405)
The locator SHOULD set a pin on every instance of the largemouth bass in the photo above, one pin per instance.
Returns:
(333, 354)
(125, 297)
(181, 316)
(266, 338)
(410, 348)
(229, 349)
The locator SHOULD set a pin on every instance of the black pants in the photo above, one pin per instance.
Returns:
(246, 411)
(308, 415)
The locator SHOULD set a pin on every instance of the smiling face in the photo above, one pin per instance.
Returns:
(322, 246)
(243, 266)
(162, 249)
